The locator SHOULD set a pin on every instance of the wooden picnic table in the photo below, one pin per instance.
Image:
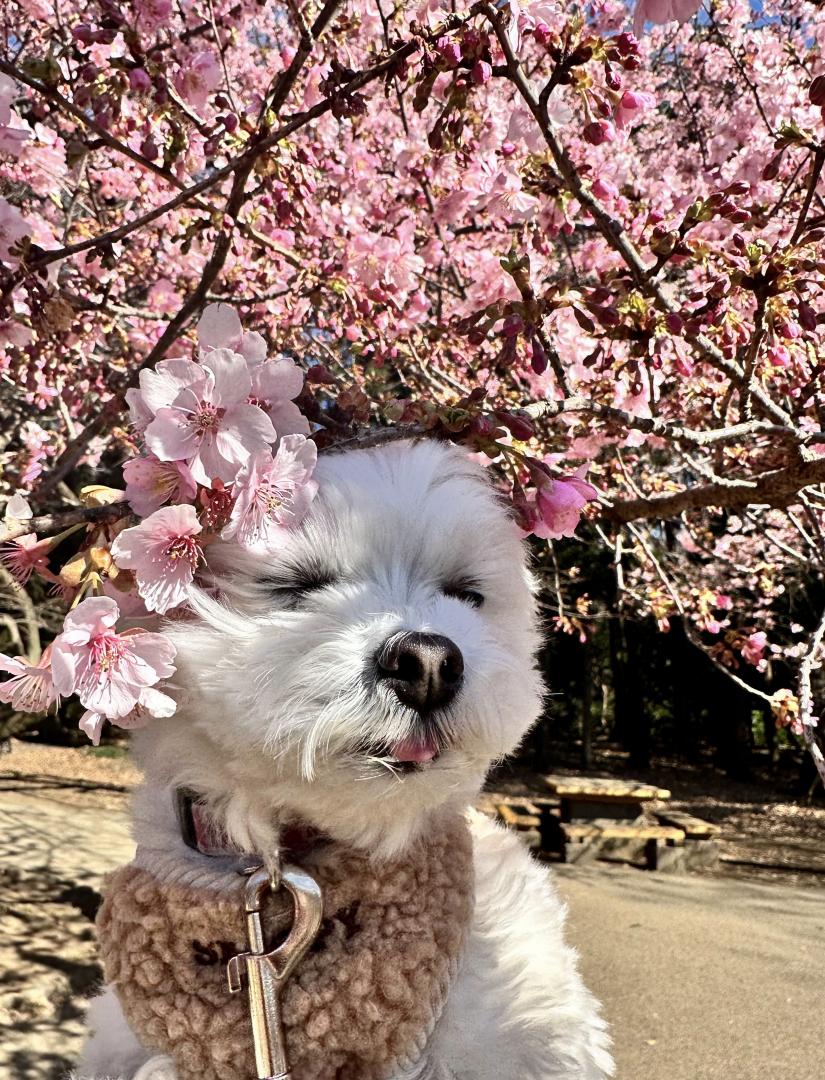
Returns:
(586, 798)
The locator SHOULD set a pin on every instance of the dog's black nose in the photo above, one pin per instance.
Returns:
(424, 670)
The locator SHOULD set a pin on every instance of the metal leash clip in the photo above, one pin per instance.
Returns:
(265, 973)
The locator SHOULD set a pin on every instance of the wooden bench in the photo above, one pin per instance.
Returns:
(702, 848)
(694, 828)
(660, 846)
(584, 799)
(524, 817)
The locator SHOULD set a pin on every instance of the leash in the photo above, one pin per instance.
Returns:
(265, 973)
(262, 974)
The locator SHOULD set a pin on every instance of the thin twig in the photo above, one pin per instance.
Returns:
(805, 694)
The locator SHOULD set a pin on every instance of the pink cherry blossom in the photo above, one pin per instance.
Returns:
(273, 493)
(219, 327)
(383, 260)
(150, 15)
(753, 648)
(108, 671)
(208, 423)
(17, 508)
(274, 384)
(631, 106)
(163, 553)
(559, 504)
(198, 78)
(31, 687)
(663, 11)
(13, 228)
(152, 705)
(150, 483)
(24, 555)
(12, 137)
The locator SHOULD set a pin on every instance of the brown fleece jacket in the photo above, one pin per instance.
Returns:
(363, 1001)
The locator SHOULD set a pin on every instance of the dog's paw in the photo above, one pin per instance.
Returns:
(157, 1068)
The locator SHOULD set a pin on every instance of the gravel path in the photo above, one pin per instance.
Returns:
(57, 839)
(703, 978)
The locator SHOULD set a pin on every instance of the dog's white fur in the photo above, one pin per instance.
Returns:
(278, 713)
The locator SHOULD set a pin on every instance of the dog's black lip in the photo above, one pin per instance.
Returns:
(407, 767)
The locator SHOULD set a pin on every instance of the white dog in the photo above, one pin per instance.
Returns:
(362, 677)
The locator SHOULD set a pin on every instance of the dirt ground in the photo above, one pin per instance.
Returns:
(674, 959)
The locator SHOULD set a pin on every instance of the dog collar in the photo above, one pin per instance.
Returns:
(202, 833)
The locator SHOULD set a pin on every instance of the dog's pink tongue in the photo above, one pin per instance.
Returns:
(418, 750)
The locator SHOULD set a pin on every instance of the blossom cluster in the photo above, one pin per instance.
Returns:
(224, 454)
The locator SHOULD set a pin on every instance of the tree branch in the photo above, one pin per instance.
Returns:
(813, 180)
(664, 429)
(779, 488)
(805, 694)
(612, 230)
(48, 524)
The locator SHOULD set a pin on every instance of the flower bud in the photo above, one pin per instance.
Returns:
(738, 188)
(139, 80)
(779, 356)
(771, 170)
(449, 51)
(542, 33)
(816, 91)
(674, 322)
(598, 132)
(520, 427)
(482, 426)
(627, 44)
(631, 100)
(538, 359)
(481, 72)
(612, 78)
(149, 148)
(807, 316)
(604, 189)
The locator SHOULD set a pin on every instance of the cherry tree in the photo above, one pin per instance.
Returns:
(583, 241)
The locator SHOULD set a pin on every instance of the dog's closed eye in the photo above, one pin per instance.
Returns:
(468, 591)
(294, 584)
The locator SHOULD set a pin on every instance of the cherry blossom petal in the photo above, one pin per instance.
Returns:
(219, 327)
(160, 387)
(232, 380)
